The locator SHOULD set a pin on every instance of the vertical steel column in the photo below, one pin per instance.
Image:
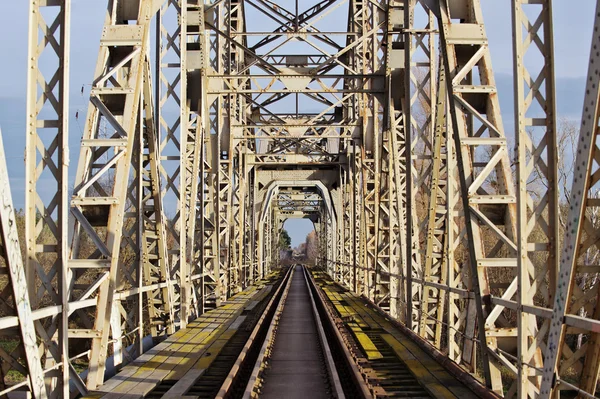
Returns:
(189, 164)
(408, 200)
(420, 73)
(255, 241)
(46, 161)
(151, 220)
(237, 117)
(248, 235)
(398, 268)
(458, 294)
(224, 150)
(537, 160)
(364, 14)
(357, 198)
(209, 262)
(394, 134)
(385, 216)
(581, 238)
(238, 219)
(435, 270)
(193, 127)
(356, 26)
(168, 87)
(347, 223)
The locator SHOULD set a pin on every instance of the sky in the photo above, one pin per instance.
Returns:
(573, 22)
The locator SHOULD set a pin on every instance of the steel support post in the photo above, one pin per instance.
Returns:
(537, 185)
(151, 221)
(220, 20)
(370, 222)
(385, 215)
(405, 139)
(190, 140)
(15, 290)
(401, 137)
(394, 136)
(457, 286)
(420, 60)
(487, 190)
(235, 42)
(255, 237)
(46, 165)
(435, 270)
(331, 250)
(168, 90)
(575, 304)
(347, 225)
(249, 233)
(398, 268)
(339, 245)
(193, 118)
(238, 220)
(357, 198)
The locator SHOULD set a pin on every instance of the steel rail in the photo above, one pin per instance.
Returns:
(224, 390)
(269, 339)
(357, 376)
(331, 369)
(334, 378)
(454, 369)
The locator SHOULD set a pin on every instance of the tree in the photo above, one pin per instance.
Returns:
(285, 241)
(312, 247)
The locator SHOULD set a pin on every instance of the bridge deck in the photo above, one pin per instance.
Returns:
(185, 354)
(393, 363)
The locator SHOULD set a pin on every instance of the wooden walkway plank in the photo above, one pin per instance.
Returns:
(184, 384)
(419, 370)
(361, 319)
(182, 353)
(161, 369)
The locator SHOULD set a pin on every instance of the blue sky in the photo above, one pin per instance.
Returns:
(572, 25)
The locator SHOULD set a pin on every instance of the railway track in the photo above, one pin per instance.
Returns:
(297, 358)
(310, 338)
(286, 347)
(299, 349)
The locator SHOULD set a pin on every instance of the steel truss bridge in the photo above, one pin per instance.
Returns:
(211, 123)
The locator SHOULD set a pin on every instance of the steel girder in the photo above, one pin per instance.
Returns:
(476, 224)
(152, 223)
(346, 227)
(249, 231)
(368, 20)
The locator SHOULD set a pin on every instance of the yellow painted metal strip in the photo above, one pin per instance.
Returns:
(367, 345)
